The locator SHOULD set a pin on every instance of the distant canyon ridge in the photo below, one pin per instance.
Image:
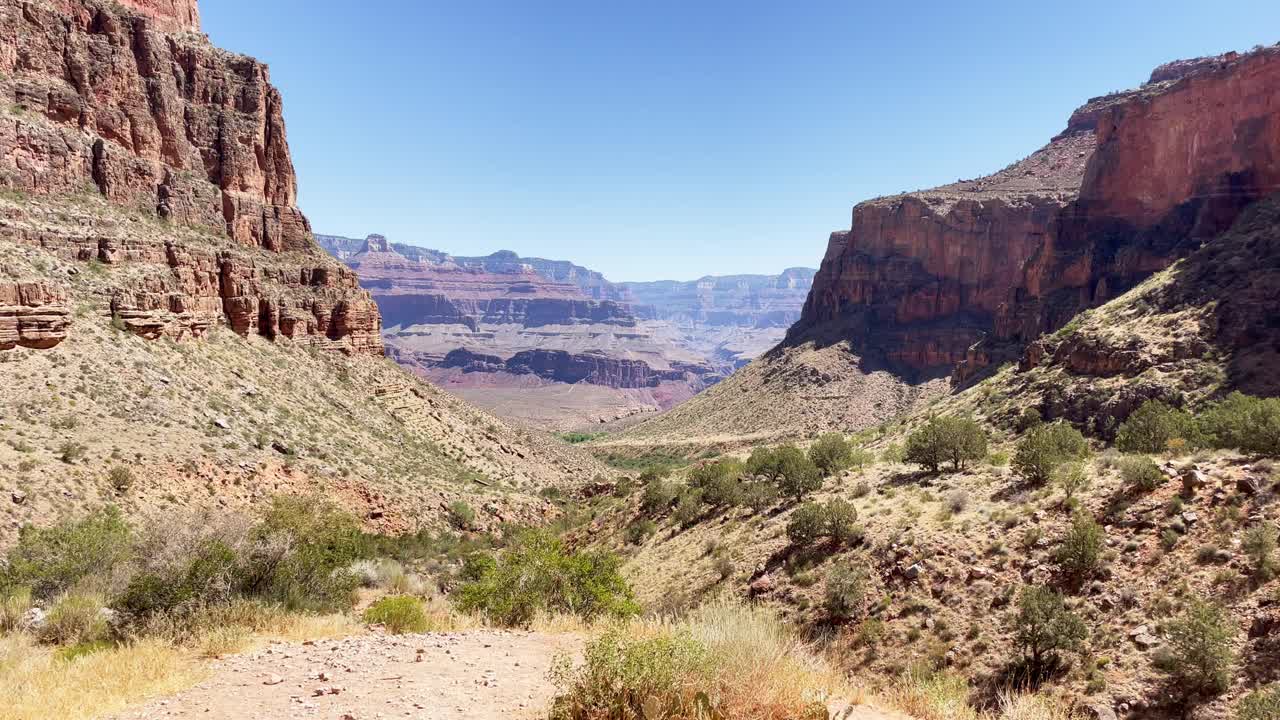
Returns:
(558, 345)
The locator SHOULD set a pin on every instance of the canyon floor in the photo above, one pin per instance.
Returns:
(473, 675)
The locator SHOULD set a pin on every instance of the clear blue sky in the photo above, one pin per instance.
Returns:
(674, 139)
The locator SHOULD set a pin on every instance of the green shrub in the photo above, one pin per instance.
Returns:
(300, 554)
(861, 458)
(640, 530)
(658, 496)
(836, 519)
(807, 523)
(461, 516)
(1198, 657)
(942, 439)
(831, 453)
(795, 475)
(399, 614)
(1080, 553)
(1244, 423)
(759, 496)
(1044, 628)
(846, 592)
(1028, 419)
(720, 481)
(51, 560)
(1259, 546)
(72, 452)
(537, 573)
(1046, 447)
(1072, 478)
(75, 618)
(1263, 704)
(1152, 427)
(213, 575)
(688, 507)
(1140, 473)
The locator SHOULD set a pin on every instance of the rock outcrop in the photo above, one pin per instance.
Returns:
(186, 144)
(32, 315)
(1136, 181)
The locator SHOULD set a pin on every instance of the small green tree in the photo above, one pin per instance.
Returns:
(1198, 658)
(688, 507)
(1044, 628)
(927, 447)
(461, 516)
(795, 475)
(719, 481)
(1045, 447)
(1153, 425)
(842, 522)
(966, 441)
(1244, 423)
(831, 453)
(1080, 552)
(51, 560)
(1072, 478)
(658, 496)
(1260, 546)
(807, 523)
(846, 593)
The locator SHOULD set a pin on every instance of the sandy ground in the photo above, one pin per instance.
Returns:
(470, 676)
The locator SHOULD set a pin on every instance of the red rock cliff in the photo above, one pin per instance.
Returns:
(116, 101)
(932, 279)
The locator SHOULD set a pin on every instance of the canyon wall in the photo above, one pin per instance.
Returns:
(168, 155)
(958, 276)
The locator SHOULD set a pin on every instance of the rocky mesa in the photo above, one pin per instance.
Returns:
(938, 286)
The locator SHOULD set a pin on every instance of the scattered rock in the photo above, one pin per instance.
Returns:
(273, 680)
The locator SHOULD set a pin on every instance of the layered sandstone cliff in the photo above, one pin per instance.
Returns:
(934, 279)
(151, 148)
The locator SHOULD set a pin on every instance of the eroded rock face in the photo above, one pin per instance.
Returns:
(187, 144)
(950, 276)
(32, 315)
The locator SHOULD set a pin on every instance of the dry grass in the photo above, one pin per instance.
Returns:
(36, 685)
(942, 696)
(742, 660)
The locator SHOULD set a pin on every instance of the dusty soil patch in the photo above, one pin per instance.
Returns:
(471, 676)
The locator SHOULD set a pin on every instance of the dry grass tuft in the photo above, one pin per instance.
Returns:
(37, 685)
(943, 696)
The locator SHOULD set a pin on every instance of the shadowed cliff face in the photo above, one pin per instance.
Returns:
(959, 274)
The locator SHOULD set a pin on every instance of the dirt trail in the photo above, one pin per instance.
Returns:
(475, 675)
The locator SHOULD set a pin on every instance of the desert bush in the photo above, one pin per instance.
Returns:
(1044, 628)
(120, 478)
(461, 516)
(14, 604)
(51, 560)
(957, 501)
(861, 458)
(1140, 473)
(658, 496)
(831, 453)
(212, 575)
(759, 496)
(795, 475)
(74, 618)
(688, 507)
(299, 555)
(1028, 419)
(1153, 425)
(1198, 657)
(1244, 423)
(1259, 545)
(72, 452)
(1263, 704)
(845, 597)
(721, 660)
(836, 519)
(942, 439)
(399, 614)
(807, 523)
(640, 530)
(1080, 552)
(720, 481)
(1072, 477)
(1046, 447)
(537, 573)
